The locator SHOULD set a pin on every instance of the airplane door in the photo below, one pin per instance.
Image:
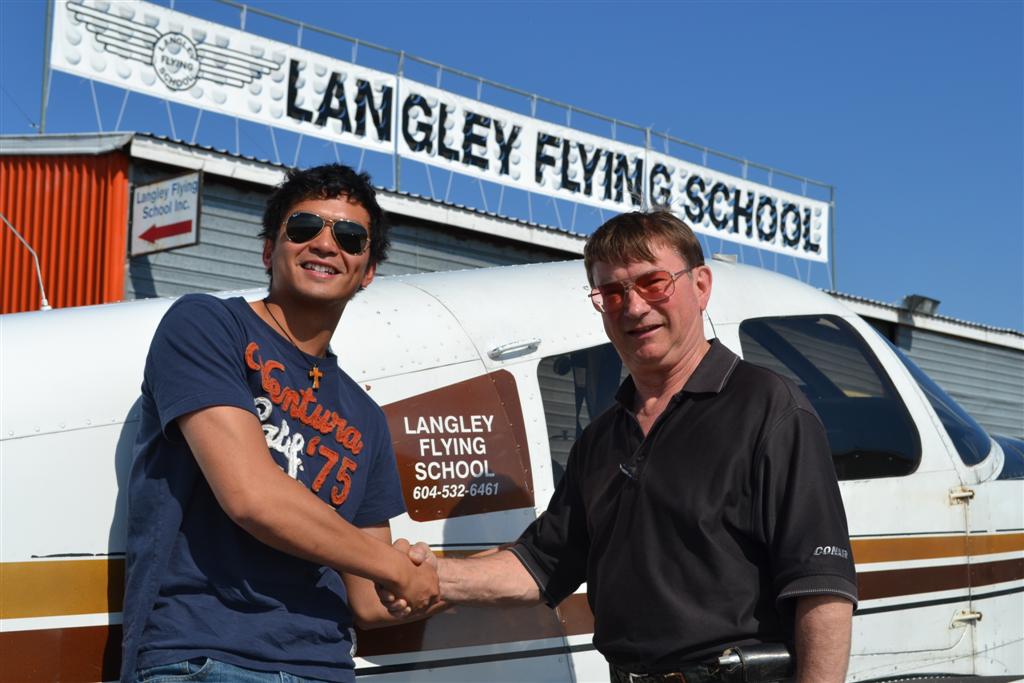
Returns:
(908, 529)
(464, 444)
(994, 505)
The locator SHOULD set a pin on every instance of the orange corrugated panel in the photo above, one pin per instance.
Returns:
(73, 210)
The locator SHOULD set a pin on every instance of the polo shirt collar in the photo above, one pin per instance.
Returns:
(709, 377)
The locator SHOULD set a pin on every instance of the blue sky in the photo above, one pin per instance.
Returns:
(914, 111)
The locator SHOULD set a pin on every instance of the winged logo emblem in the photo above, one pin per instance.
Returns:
(178, 61)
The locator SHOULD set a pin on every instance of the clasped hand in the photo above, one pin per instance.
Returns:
(404, 602)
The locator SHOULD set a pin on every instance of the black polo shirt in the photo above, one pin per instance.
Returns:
(692, 539)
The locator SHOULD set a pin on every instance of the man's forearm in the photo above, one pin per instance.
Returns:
(254, 492)
(493, 579)
(823, 626)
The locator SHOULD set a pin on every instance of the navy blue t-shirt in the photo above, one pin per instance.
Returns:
(198, 585)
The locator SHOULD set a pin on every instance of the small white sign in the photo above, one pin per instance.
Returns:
(165, 214)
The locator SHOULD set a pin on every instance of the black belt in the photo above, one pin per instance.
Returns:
(695, 673)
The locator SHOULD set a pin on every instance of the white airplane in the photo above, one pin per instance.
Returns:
(485, 376)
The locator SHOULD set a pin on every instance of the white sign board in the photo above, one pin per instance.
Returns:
(167, 54)
(165, 214)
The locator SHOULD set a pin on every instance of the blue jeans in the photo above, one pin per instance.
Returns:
(206, 670)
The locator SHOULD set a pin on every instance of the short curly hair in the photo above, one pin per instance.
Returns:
(328, 182)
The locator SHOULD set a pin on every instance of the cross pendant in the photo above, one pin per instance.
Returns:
(315, 375)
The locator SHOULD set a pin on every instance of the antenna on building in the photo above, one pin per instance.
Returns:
(44, 304)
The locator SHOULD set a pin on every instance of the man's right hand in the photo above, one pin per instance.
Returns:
(417, 587)
(418, 554)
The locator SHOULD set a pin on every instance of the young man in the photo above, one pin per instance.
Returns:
(692, 508)
(263, 478)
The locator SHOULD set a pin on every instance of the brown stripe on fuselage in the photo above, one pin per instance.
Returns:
(66, 587)
(61, 587)
(867, 550)
(69, 655)
(888, 584)
(93, 653)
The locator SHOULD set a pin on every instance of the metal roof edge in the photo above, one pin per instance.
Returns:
(871, 308)
(262, 172)
(48, 144)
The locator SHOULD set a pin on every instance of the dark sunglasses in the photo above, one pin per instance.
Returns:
(652, 287)
(303, 226)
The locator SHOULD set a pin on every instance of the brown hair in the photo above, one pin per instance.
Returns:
(628, 238)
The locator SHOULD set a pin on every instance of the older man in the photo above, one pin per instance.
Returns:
(693, 508)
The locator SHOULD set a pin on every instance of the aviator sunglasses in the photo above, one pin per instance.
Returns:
(652, 287)
(303, 226)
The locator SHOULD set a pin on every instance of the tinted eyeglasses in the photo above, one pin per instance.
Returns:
(652, 287)
(303, 226)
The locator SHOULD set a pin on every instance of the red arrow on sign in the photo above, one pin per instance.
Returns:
(154, 233)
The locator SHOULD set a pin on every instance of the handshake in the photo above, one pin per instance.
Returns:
(418, 588)
(427, 585)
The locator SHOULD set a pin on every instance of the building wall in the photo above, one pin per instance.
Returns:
(228, 255)
(72, 210)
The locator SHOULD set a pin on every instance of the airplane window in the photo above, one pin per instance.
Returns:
(575, 386)
(869, 429)
(970, 438)
(1013, 457)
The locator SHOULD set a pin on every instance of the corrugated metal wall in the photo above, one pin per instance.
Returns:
(72, 210)
(987, 380)
(228, 253)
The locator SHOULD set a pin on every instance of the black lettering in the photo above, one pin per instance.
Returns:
(608, 156)
(773, 226)
(381, 117)
(543, 158)
(746, 211)
(443, 149)
(790, 219)
(327, 109)
(294, 110)
(589, 166)
(567, 184)
(471, 138)
(505, 146)
(695, 193)
(808, 244)
(661, 192)
(718, 190)
(417, 144)
(633, 181)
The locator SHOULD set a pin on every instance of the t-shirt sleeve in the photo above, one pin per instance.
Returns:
(801, 510)
(383, 499)
(196, 360)
(554, 548)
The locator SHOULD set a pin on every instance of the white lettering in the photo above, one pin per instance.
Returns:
(459, 469)
(291, 447)
(449, 424)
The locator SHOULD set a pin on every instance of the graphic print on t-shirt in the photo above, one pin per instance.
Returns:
(284, 438)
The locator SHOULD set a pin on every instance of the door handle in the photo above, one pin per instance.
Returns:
(520, 347)
(965, 617)
(960, 495)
